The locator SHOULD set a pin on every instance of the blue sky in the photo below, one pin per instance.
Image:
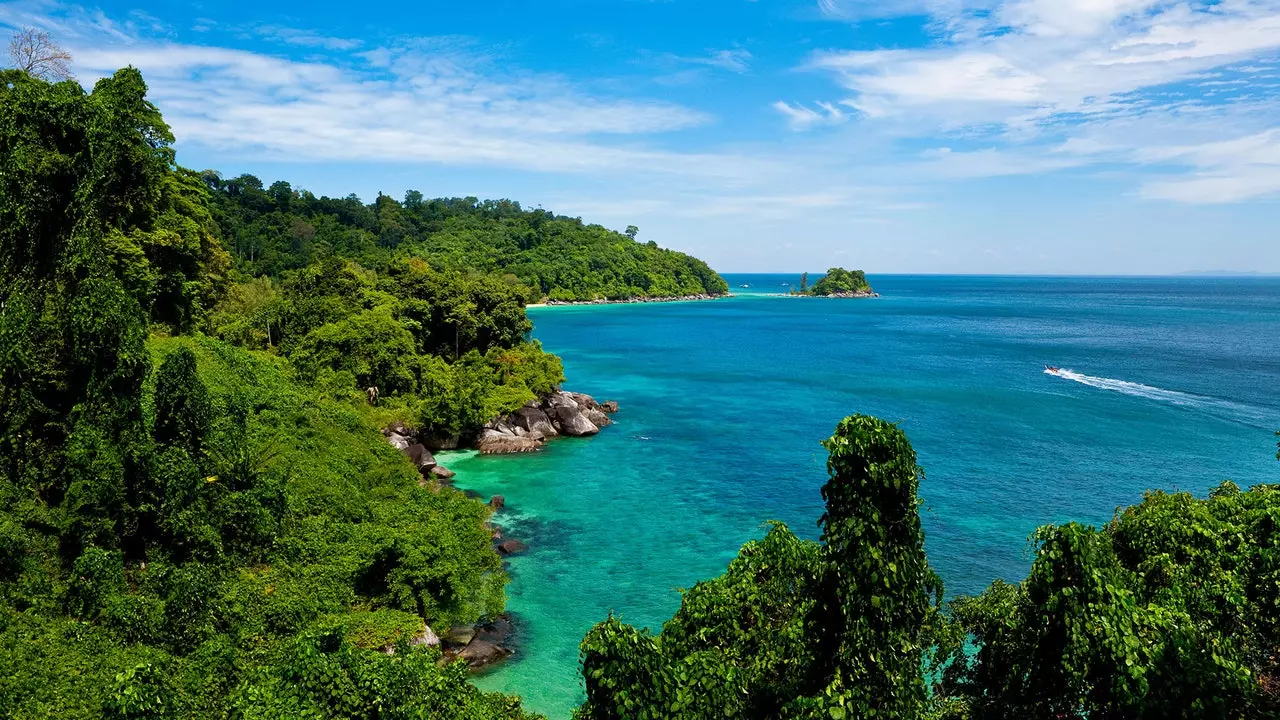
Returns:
(996, 136)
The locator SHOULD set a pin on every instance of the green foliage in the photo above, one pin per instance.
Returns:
(99, 234)
(141, 693)
(448, 349)
(371, 345)
(878, 594)
(1172, 610)
(300, 517)
(837, 281)
(183, 412)
(548, 256)
(1168, 611)
(736, 648)
(794, 628)
(171, 543)
(323, 676)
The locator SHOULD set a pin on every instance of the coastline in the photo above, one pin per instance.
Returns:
(839, 296)
(630, 301)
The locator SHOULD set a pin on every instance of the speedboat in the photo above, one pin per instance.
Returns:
(1052, 370)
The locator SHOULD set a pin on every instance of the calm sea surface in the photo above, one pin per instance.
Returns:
(1175, 383)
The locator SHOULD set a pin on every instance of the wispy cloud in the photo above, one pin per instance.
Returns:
(734, 60)
(306, 38)
(1036, 80)
(435, 100)
(803, 118)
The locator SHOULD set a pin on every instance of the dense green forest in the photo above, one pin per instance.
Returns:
(275, 229)
(191, 527)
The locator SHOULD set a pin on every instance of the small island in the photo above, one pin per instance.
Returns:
(837, 283)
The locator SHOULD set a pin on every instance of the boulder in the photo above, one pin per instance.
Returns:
(479, 653)
(610, 407)
(492, 442)
(426, 637)
(597, 417)
(443, 473)
(459, 635)
(571, 421)
(511, 547)
(420, 456)
(399, 428)
(400, 442)
(533, 419)
(497, 501)
(497, 632)
(559, 399)
(584, 401)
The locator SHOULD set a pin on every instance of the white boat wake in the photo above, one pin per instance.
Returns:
(1226, 408)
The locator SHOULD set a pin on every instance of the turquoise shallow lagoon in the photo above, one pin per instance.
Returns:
(1175, 384)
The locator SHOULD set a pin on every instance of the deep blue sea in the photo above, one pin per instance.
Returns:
(1174, 383)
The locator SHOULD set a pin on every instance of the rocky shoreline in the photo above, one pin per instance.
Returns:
(843, 295)
(526, 430)
(632, 301)
(561, 413)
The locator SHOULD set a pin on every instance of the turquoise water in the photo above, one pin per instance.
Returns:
(1176, 384)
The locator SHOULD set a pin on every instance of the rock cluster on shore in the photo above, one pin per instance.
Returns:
(410, 443)
(479, 645)
(561, 413)
(627, 301)
(853, 294)
(525, 430)
(850, 294)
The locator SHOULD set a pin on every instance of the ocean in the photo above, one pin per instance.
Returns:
(1170, 383)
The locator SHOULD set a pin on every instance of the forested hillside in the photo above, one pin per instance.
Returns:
(191, 527)
(275, 229)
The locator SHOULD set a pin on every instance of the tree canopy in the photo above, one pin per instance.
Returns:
(278, 228)
(794, 628)
(837, 281)
(1170, 610)
(190, 528)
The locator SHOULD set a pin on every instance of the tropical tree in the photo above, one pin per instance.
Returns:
(794, 628)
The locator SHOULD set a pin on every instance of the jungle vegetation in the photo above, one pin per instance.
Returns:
(1167, 611)
(277, 228)
(205, 525)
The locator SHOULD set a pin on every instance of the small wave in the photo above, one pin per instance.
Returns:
(1225, 408)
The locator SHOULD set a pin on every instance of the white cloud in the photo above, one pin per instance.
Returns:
(800, 117)
(1050, 66)
(1225, 171)
(306, 38)
(735, 60)
(1036, 86)
(419, 103)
